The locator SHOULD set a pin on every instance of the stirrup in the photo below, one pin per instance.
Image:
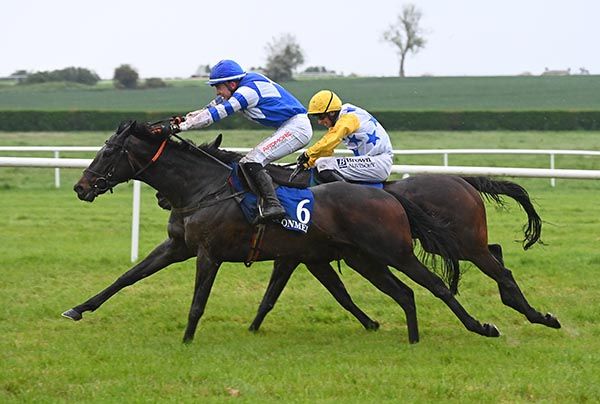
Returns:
(275, 217)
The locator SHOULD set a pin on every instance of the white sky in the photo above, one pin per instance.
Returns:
(172, 38)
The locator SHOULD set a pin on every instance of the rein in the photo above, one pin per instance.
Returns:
(158, 153)
(193, 146)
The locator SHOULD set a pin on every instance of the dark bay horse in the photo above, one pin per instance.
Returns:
(206, 222)
(457, 201)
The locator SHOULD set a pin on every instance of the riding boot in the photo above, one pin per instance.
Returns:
(263, 184)
(330, 176)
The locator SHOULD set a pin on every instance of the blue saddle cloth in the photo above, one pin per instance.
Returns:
(297, 202)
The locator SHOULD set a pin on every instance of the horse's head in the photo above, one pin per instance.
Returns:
(114, 163)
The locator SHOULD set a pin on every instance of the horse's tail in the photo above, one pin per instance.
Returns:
(493, 190)
(434, 235)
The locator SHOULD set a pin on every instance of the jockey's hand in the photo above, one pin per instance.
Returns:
(177, 119)
(165, 129)
(302, 160)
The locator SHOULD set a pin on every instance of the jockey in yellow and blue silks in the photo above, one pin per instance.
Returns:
(359, 131)
(265, 102)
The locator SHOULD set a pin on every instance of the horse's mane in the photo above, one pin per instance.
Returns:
(280, 174)
(188, 145)
(226, 156)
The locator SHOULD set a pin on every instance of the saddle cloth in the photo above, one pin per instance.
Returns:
(297, 202)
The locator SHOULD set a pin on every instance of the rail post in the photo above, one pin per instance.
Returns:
(56, 171)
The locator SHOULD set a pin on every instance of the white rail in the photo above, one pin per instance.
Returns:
(398, 169)
(444, 152)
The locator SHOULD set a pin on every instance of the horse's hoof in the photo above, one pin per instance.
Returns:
(552, 321)
(72, 314)
(372, 326)
(253, 328)
(491, 330)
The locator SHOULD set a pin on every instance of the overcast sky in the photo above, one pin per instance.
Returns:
(172, 38)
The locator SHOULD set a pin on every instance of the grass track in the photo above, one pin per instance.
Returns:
(57, 251)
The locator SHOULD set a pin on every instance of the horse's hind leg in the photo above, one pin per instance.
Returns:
(165, 254)
(496, 251)
(282, 271)
(328, 278)
(381, 277)
(411, 266)
(510, 293)
(325, 274)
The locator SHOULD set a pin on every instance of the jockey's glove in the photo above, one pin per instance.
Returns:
(302, 160)
(176, 120)
(165, 129)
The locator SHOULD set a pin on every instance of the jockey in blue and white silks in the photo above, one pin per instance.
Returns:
(359, 131)
(262, 101)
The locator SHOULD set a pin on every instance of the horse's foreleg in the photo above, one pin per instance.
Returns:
(162, 256)
(332, 282)
(510, 293)
(381, 277)
(282, 271)
(206, 271)
(419, 273)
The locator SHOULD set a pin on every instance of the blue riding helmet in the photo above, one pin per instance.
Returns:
(225, 70)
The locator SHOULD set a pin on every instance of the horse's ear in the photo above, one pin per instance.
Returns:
(217, 142)
(125, 125)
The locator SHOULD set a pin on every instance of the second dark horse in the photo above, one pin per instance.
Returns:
(458, 202)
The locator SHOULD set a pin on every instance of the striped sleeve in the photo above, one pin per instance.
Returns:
(242, 98)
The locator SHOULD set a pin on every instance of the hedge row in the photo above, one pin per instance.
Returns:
(490, 120)
(392, 120)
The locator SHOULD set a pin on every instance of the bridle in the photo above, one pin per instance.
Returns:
(104, 182)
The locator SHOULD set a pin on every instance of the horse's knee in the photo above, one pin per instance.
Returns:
(408, 296)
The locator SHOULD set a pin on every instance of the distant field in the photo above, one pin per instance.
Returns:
(419, 93)
(57, 251)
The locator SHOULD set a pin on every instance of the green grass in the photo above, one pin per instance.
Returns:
(57, 251)
(391, 93)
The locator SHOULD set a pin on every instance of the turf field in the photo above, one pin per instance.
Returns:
(57, 251)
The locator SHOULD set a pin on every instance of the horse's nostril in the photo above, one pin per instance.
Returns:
(77, 188)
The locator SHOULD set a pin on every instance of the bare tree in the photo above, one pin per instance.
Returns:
(284, 55)
(406, 34)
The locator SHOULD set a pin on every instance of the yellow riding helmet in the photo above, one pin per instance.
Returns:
(324, 101)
